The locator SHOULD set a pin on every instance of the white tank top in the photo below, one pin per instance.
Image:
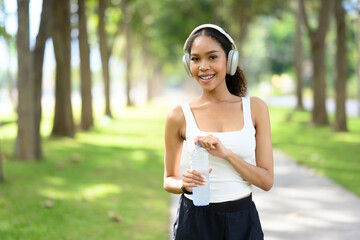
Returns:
(226, 184)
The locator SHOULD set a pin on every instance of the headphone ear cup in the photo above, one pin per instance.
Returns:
(232, 63)
(186, 62)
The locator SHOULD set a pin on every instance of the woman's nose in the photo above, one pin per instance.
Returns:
(204, 65)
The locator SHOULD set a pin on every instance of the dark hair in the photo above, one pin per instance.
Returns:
(236, 84)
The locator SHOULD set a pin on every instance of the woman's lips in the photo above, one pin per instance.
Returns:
(207, 78)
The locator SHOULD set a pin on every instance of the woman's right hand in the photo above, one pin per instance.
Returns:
(192, 178)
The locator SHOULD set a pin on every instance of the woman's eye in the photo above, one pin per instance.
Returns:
(194, 59)
(213, 57)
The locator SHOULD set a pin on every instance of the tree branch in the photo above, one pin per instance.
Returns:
(305, 17)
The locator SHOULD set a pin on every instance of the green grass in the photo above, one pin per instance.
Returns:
(119, 171)
(335, 155)
(115, 169)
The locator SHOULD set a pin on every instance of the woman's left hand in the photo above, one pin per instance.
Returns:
(212, 145)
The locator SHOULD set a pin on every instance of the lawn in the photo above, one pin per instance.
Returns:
(107, 183)
(335, 155)
(104, 184)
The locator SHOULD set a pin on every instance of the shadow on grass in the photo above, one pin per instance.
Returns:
(3, 123)
(76, 191)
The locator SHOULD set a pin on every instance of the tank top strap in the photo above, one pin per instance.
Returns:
(247, 112)
(191, 126)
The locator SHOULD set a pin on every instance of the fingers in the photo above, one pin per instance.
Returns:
(192, 178)
(208, 142)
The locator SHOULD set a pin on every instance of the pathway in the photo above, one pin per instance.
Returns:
(302, 206)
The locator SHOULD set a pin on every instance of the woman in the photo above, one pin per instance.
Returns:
(234, 129)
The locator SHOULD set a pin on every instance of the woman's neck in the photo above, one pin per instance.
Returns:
(218, 96)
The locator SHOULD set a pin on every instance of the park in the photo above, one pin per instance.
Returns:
(86, 87)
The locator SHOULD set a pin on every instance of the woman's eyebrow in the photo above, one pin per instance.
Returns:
(209, 52)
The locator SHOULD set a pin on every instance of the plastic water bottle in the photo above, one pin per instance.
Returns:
(200, 163)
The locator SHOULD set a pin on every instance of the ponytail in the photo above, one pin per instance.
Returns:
(237, 84)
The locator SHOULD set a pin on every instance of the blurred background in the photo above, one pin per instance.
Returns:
(85, 86)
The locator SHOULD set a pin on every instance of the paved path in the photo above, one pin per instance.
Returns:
(302, 206)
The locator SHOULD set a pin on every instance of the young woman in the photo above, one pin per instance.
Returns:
(234, 129)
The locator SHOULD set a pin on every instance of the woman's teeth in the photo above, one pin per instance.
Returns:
(207, 77)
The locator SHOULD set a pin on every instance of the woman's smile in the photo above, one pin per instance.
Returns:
(207, 78)
(208, 63)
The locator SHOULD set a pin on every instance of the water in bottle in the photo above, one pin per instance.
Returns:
(200, 163)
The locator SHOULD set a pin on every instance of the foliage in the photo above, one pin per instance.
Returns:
(3, 30)
(280, 43)
(334, 157)
(173, 21)
(105, 184)
(160, 28)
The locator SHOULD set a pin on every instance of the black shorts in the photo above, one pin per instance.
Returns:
(233, 220)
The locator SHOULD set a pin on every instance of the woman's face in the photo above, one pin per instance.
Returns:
(207, 62)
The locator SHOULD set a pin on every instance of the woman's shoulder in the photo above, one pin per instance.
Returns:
(259, 108)
(257, 102)
(175, 122)
(176, 115)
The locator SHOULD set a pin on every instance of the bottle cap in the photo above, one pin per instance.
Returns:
(199, 145)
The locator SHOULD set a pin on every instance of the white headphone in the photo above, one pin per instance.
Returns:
(233, 56)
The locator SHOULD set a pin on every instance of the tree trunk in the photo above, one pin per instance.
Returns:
(1, 168)
(319, 114)
(128, 59)
(157, 81)
(357, 43)
(340, 123)
(87, 119)
(147, 70)
(24, 145)
(242, 20)
(317, 41)
(299, 58)
(151, 80)
(105, 56)
(63, 119)
(37, 66)
(149, 83)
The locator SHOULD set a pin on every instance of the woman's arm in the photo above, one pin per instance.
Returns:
(262, 174)
(263, 151)
(174, 138)
(173, 149)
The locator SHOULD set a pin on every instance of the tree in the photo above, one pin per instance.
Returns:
(317, 41)
(299, 58)
(357, 42)
(340, 123)
(106, 44)
(162, 33)
(63, 118)
(24, 145)
(126, 9)
(37, 67)
(28, 143)
(243, 12)
(1, 169)
(87, 119)
(105, 55)
(243, 18)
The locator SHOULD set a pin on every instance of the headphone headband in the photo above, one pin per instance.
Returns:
(213, 26)
(232, 58)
